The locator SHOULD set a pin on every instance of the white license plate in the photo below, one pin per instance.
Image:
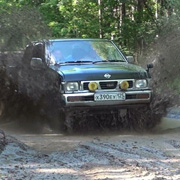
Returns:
(109, 96)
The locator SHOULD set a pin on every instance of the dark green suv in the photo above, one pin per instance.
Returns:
(93, 74)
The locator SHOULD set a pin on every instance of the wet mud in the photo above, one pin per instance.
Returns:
(98, 156)
(34, 103)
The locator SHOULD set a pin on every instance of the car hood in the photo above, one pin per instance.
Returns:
(97, 71)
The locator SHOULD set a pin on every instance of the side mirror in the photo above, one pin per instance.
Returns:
(149, 66)
(130, 59)
(37, 63)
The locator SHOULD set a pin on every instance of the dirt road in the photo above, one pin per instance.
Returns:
(100, 156)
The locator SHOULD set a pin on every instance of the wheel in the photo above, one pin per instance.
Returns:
(57, 121)
(75, 121)
(143, 118)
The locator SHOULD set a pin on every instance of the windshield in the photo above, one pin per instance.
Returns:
(83, 51)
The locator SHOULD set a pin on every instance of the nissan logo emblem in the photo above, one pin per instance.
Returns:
(107, 75)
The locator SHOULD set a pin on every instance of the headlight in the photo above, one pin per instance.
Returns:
(72, 86)
(142, 83)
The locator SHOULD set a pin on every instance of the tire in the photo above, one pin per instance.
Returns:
(143, 118)
(57, 121)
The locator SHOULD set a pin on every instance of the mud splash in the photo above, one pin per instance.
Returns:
(140, 119)
(35, 106)
(164, 54)
(34, 100)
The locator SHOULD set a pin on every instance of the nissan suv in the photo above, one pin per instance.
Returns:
(92, 74)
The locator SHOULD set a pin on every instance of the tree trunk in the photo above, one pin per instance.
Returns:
(100, 19)
(123, 17)
(140, 6)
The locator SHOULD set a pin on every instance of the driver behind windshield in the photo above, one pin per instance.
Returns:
(83, 52)
(57, 56)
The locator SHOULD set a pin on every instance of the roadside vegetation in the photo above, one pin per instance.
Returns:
(132, 24)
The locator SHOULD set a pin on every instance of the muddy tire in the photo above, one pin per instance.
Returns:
(72, 121)
(80, 121)
(144, 118)
(140, 119)
(88, 121)
(57, 121)
(65, 122)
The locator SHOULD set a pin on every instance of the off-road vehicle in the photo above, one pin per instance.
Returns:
(93, 76)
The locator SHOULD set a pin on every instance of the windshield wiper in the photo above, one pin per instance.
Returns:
(112, 60)
(77, 62)
(94, 62)
(70, 62)
(116, 60)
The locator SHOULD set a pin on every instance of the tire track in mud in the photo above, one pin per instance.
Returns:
(145, 158)
(78, 163)
(120, 156)
(126, 155)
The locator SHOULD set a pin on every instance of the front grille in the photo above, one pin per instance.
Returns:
(130, 84)
(85, 86)
(108, 85)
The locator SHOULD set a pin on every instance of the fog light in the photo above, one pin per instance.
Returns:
(124, 85)
(92, 86)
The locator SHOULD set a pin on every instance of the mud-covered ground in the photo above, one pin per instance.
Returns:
(108, 155)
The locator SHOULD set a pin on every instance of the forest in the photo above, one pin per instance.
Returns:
(132, 24)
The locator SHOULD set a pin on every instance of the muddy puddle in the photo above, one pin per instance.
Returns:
(109, 155)
(171, 121)
(47, 141)
(168, 124)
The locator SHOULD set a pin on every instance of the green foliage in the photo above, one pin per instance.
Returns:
(19, 25)
(132, 24)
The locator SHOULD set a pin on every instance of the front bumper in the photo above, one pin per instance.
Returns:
(87, 99)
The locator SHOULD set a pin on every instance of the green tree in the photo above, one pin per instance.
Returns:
(132, 24)
(19, 25)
